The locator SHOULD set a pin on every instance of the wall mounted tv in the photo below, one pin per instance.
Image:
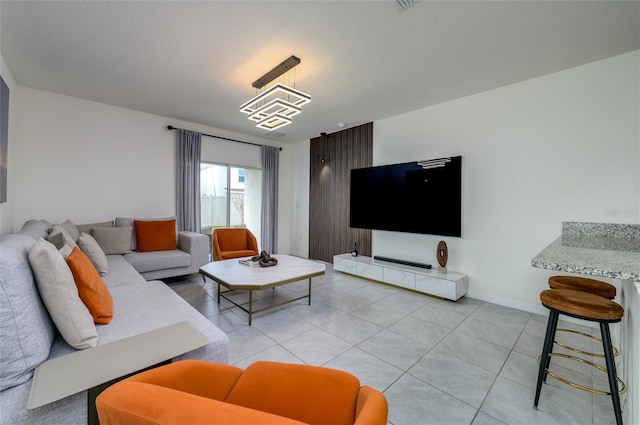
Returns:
(415, 197)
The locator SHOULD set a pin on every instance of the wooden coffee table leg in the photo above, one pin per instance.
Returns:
(309, 291)
(218, 292)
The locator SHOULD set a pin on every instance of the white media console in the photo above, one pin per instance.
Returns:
(451, 285)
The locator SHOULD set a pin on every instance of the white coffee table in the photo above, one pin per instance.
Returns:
(239, 277)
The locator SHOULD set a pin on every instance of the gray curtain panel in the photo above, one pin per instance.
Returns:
(188, 184)
(269, 216)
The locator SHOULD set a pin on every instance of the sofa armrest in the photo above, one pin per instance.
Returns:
(195, 244)
(372, 407)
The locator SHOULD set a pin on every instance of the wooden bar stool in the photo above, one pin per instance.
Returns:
(585, 306)
(583, 284)
(579, 283)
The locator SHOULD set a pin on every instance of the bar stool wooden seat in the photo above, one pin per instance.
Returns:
(584, 284)
(579, 283)
(585, 306)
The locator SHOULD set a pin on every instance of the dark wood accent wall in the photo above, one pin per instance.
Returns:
(329, 231)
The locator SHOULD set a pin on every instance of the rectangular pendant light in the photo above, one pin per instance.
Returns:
(277, 90)
(279, 106)
(274, 107)
(273, 121)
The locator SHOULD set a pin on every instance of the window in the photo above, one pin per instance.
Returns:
(230, 197)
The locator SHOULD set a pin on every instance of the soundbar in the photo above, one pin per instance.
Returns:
(403, 262)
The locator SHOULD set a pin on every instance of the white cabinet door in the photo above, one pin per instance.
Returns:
(369, 271)
(438, 287)
(343, 265)
(399, 277)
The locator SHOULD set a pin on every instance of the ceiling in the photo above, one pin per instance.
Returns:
(361, 60)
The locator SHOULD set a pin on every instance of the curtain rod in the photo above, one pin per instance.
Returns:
(170, 127)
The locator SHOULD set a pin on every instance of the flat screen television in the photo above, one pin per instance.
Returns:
(414, 197)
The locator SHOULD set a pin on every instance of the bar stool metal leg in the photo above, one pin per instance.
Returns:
(546, 350)
(590, 307)
(611, 370)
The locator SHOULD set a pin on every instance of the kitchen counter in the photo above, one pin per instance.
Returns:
(607, 251)
(595, 249)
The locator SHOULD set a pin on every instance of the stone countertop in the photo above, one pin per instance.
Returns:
(594, 249)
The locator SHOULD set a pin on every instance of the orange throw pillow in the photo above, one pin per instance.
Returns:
(159, 235)
(91, 288)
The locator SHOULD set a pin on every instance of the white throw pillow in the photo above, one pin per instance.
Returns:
(60, 295)
(89, 246)
(65, 251)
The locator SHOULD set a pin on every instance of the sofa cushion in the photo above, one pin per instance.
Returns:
(35, 229)
(26, 330)
(121, 272)
(158, 260)
(60, 295)
(155, 235)
(91, 289)
(143, 308)
(89, 246)
(113, 240)
(227, 255)
(88, 228)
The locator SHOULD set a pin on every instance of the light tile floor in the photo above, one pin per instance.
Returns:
(436, 361)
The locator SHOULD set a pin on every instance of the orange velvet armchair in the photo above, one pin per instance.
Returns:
(266, 393)
(233, 243)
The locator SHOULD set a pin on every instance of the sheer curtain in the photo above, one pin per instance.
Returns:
(188, 184)
(269, 216)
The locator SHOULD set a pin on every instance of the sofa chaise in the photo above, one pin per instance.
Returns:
(29, 336)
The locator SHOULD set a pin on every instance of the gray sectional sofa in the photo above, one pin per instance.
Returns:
(28, 337)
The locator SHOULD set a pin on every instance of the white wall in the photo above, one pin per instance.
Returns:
(563, 147)
(88, 161)
(6, 208)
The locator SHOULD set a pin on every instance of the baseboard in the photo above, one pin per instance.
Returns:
(529, 308)
(506, 302)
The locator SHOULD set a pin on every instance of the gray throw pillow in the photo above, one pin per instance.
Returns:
(60, 237)
(89, 246)
(59, 293)
(113, 240)
(88, 228)
(71, 229)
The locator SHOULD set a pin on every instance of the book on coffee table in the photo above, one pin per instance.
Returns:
(249, 262)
